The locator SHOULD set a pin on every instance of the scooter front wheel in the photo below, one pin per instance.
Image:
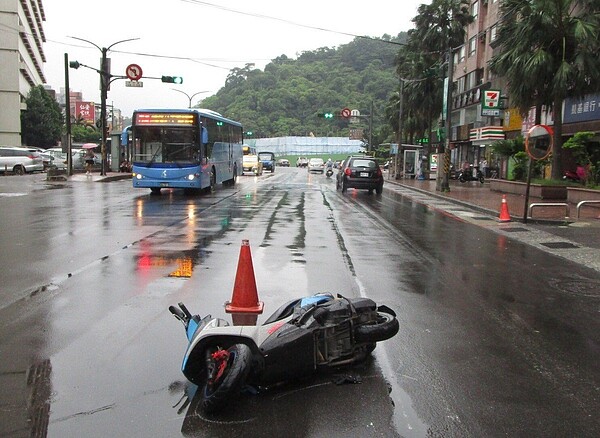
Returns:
(227, 377)
(384, 327)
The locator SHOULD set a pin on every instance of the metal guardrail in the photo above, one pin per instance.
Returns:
(582, 203)
(548, 204)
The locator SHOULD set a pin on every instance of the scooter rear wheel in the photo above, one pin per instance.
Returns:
(217, 391)
(384, 327)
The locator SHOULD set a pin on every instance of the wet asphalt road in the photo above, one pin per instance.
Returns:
(497, 337)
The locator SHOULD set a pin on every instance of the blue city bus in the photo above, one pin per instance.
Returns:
(193, 149)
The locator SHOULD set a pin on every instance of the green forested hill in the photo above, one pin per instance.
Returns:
(285, 98)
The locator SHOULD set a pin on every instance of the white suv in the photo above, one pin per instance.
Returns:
(20, 160)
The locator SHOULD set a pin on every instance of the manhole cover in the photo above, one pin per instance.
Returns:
(515, 229)
(559, 245)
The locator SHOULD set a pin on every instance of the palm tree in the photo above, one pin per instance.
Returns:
(548, 50)
(439, 26)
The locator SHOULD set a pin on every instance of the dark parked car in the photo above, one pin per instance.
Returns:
(360, 173)
(268, 160)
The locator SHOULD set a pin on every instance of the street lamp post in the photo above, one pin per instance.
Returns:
(188, 96)
(400, 110)
(105, 78)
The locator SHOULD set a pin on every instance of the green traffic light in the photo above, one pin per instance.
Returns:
(328, 115)
(172, 79)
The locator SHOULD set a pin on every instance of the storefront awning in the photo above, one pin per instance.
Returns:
(486, 135)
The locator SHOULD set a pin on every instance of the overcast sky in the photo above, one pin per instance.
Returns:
(199, 40)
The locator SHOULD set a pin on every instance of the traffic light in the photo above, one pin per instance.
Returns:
(172, 79)
(325, 115)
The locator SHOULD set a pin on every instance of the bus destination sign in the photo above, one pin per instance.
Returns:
(162, 119)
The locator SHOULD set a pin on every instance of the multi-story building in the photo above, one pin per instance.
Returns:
(472, 130)
(475, 125)
(21, 62)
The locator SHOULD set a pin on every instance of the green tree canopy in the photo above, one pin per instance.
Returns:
(42, 121)
(286, 97)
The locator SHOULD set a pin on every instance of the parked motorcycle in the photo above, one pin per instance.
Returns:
(303, 336)
(571, 176)
(470, 175)
(578, 176)
(329, 172)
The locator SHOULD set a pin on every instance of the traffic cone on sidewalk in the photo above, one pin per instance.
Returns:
(504, 214)
(244, 305)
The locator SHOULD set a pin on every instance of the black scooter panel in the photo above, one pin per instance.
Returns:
(288, 353)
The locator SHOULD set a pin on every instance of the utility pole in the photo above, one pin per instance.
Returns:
(371, 128)
(68, 117)
(443, 182)
(104, 83)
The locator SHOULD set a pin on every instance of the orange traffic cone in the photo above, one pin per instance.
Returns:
(244, 299)
(504, 215)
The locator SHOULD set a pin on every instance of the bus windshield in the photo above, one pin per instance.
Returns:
(168, 145)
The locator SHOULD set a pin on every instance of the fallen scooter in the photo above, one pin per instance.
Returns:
(303, 336)
(471, 174)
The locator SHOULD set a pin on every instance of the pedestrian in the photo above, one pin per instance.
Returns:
(484, 167)
(89, 161)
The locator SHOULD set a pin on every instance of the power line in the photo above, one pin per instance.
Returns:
(306, 26)
(10, 29)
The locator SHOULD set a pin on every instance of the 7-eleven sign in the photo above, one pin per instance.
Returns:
(491, 103)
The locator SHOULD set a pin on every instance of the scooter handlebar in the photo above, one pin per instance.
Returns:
(177, 313)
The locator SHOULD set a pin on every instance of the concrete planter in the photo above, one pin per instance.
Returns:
(54, 174)
(576, 195)
(535, 190)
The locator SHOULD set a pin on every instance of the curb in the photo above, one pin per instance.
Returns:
(557, 222)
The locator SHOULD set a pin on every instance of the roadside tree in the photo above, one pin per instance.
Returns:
(42, 121)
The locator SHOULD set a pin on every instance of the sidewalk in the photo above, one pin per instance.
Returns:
(479, 196)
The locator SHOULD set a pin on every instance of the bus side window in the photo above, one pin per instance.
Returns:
(204, 135)
(203, 142)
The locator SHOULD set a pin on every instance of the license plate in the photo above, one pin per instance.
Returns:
(364, 174)
(164, 184)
